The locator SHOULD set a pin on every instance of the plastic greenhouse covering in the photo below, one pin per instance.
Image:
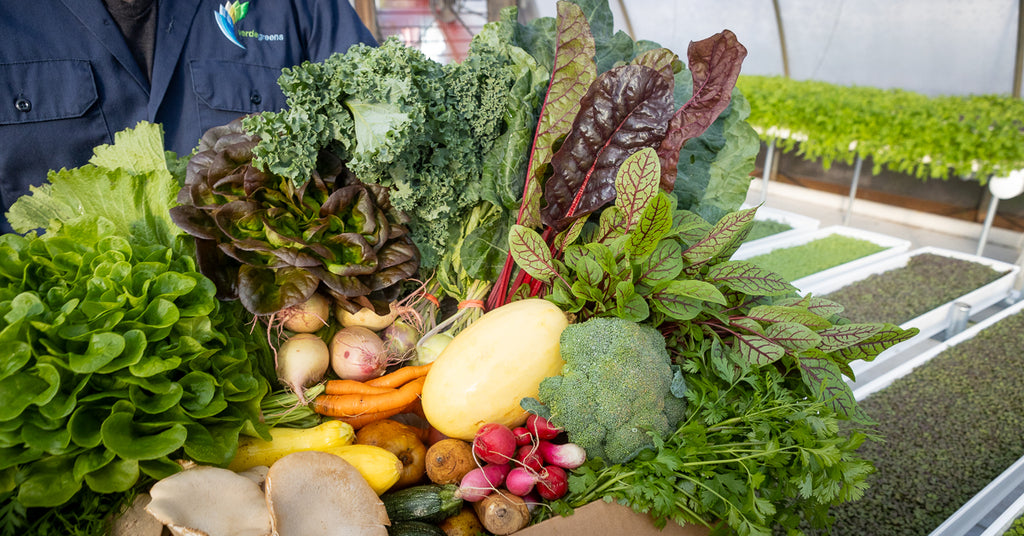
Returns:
(934, 47)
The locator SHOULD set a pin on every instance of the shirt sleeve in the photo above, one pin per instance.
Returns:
(334, 27)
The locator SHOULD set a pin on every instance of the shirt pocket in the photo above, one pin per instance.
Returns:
(50, 118)
(33, 91)
(226, 90)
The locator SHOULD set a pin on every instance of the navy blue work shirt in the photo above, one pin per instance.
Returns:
(68, 80)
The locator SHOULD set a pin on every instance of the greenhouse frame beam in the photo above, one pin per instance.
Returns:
(782, 38)
(1018, 64)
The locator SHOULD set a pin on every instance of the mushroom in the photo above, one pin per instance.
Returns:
(319, 493)
(210, 501)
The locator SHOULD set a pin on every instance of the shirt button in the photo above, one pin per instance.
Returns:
(255, 98)
(23, 104)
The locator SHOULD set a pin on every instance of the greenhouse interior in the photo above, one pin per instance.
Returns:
(425, 286)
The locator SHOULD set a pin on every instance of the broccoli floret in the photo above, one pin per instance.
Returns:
(615, 388)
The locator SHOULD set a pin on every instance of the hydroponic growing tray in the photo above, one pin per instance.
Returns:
(799, 224)
(893, 246)
(993, 508)
(930, 323)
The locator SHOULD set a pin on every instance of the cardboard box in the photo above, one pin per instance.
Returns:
(600, 518)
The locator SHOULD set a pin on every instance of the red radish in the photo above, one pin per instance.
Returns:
(552, 483)
(529, 456)
(480, 482)
(522, 435)
(520, 481)
(565, 455)
(494, 443)
(541, 428)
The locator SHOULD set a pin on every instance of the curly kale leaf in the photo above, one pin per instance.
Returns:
(397, 119)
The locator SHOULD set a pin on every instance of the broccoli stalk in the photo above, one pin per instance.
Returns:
(617, 387)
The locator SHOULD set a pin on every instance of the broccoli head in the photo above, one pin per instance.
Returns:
(616, 388)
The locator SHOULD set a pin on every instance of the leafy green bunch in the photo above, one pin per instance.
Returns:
(754, 456)
(397, 119)
(271, 244)
(642, 260)
(119, 359)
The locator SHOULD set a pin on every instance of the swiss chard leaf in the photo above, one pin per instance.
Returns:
(571, 76)
(714, 65)
(626, 109)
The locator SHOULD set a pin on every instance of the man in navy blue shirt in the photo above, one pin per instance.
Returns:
(74, 72)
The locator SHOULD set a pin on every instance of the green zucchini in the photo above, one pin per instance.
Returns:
(430, 503)
(414, 528)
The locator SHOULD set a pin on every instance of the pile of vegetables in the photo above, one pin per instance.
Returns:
(495, 291)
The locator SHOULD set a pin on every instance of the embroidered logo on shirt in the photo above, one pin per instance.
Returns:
(227, 16)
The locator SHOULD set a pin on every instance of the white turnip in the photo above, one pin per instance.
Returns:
(430, 346)
(358, 353)
(366, 317)
(400, 339)
(302, 361)
(306, 317)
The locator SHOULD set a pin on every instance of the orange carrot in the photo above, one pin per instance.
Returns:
(356, 404)
(349, 387)
(359, 421)
(400, 376)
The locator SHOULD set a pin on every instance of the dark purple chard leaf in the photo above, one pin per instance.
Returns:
(625, 110)
(264, 291)
(868, 349)
(715, 65)
(840, 337)
(654, 224)
(636, 183)
(531, 253)
(823, 377)
(571, 76)
(749, 278)
(724, 238)
(793, 336)
(662, 60)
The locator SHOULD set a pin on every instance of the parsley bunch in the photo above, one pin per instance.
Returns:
(756, 454)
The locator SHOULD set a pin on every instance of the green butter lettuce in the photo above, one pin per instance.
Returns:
(118, 357)
(114, 366)
(130, 184)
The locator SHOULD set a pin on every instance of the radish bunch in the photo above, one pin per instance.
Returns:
(526, 460)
